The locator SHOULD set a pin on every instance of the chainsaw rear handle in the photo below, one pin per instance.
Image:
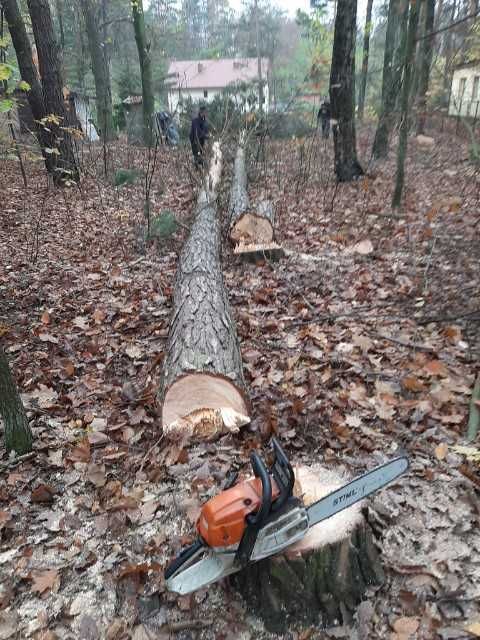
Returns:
(261, 471)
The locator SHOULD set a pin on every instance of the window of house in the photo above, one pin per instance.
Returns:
(205, 94)
(462, 86)
(476, 83)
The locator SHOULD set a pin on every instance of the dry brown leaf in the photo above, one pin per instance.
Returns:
(474, 629)
(45, 318)
(441, 451)
(46, 580)
(364, 247)
(96, 474)
(413, 384)
(406, 626)
(80, 453)
(42, 493)
(436, 368)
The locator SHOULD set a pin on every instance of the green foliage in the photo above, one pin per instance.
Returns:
(6, 105)
(164, 225)
(6, 71)
(126, 176)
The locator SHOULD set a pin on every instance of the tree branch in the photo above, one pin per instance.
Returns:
(448, 27)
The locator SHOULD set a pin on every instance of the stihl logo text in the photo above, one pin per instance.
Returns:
(343, 497)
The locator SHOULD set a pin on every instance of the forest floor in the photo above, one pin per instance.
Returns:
(364, 339)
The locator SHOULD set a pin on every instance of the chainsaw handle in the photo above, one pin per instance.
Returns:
(283, 474)
(261, 471)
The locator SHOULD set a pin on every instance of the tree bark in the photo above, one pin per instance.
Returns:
(449, 54)
(101, 74)
(392, 75)
(52, 83)
(366, 49)
(342, 92)
(404, 123)
(18, 436)
(202, 388)
(28, 72)
(320, 579)
(59, 9)
(425, 65)
(145, 71)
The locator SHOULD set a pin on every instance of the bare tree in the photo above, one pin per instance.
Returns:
(425, 65)
(145, 70)
(404, 123)
(52, 83)
(366, 49)
(342, 92)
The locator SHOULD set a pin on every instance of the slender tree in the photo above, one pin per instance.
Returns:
(92, 15)
(404, 123)
(29, 74)
(145, 70)
(425, 65)
(366, 50)
(52, 84)
(18, 436)
(392, 74)
(342, 92)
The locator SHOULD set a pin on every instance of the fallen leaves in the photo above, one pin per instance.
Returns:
(45, 580)
(43, 493)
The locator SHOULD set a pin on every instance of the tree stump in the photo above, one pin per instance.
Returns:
(202, 389)
(322, 578)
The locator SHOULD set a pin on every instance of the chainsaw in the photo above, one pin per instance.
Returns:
(259, 517)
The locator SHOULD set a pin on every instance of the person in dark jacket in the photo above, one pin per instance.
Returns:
(198, 135)
(324, 117)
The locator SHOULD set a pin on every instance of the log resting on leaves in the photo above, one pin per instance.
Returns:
(202, 390)
(322, 578)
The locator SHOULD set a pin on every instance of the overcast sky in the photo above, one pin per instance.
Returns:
(291, 6)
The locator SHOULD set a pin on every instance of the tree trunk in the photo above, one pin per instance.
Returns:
(50, 72)
(202, 387)
(366, 49)
(145, 71)
(28, 72)
(59, 8)
(404, 123)
(100, 70)
(18, 436)
(342, 92)
(320, 579)
(392, 74)
(425, 65)
(449, 55)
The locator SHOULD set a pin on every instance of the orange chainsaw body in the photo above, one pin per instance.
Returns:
(222, 520)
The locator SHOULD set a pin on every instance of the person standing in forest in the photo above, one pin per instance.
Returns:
(324, 117)
(198, 135)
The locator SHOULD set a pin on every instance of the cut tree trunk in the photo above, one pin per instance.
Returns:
(18, 436)
(202, 389)
(320, 579)
(251, 232)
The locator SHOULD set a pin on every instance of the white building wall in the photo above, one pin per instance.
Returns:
(196, 95)
(465, 94)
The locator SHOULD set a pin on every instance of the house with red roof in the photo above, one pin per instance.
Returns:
(202, 80)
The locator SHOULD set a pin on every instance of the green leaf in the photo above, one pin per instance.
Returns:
(5, 71)
(5, 105)
(24, 86)
(4, 42)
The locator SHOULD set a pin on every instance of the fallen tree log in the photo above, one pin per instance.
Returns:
(202, 388)
(254, 228)
(323, 577)
(239, 201)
